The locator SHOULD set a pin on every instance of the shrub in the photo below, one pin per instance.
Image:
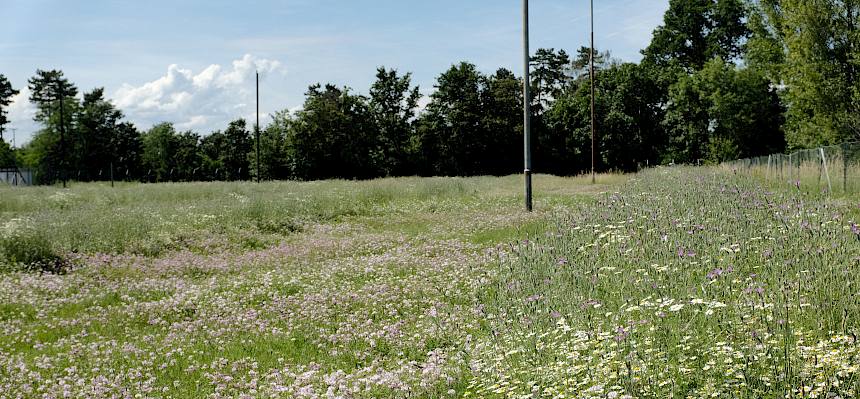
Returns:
(22, 248)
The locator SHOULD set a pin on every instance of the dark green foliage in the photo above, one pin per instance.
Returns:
(695, 31)
(628, 119)
(30, 252)
(393, 104)
(274, 148)
(225, 155)
(6, 94)
(170, 156)
(549, 76)
(811, 47)
(473, 124)
(7, 156)
(334, 137)
(721, 113)
(721, 79)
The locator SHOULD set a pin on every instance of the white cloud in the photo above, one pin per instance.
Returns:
(21, 113)
(202, 101)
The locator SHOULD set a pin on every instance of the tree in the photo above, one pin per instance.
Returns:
(582, 62)
(93, 149)
(161, 145)
(7, 155)
(212, 148)
(451, 135)
(6, 94)
(333, 137)
(54, 97)
(127, 146)
(274, 148)
(503, 122)
(186, 158)
(393, 102)
(696, 31)
(819, 67)
(237, 147)
(627, 117)
(549, 76)
(46, 90)
(723, 113)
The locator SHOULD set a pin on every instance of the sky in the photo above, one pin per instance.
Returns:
(192, 62)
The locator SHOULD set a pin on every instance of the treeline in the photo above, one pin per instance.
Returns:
(721, 79)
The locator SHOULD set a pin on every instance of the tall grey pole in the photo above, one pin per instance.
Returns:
(591, 61)
(62, 135)
(257, 128)
(527, 121)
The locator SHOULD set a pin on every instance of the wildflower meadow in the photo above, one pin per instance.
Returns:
(674, 282)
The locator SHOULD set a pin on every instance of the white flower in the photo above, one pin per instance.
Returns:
(676, 307)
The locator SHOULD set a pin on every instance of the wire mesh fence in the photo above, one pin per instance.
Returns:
(834, 169)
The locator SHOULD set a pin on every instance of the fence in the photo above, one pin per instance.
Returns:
(833, 169)
(16, 177)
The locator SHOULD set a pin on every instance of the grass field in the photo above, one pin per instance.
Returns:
(678, 282)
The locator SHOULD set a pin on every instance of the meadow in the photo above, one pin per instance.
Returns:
(675, 282)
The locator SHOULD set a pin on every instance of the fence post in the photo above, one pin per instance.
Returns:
(767, 173)
(826, 173)
(844, 149)
(790, 170)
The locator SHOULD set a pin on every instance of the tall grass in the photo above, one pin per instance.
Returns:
(150, 219)
(686, 283)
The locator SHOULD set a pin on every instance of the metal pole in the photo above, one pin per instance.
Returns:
(527, 122)
(62, 135)
(257, 128)
(845, 168)
(111, 173)
(591, 61)
(826, 171)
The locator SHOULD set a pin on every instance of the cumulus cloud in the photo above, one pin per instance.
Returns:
(202, 101)
(21, 113)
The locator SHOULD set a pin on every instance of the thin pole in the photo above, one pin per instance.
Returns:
(591, 61)
(62, 135)
(826, 171)
(527, 122)
(257, 128)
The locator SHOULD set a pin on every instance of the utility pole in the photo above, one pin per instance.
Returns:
(527, 117)
(62, 134)
(257, 128)
(591, 61)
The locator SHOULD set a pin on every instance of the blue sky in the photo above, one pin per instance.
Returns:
(192, 62)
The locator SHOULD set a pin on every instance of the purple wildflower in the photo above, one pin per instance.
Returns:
(534, 298)
(621, 334)
(714, 274)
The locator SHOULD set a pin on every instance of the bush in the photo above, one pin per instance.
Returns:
(32, 253)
